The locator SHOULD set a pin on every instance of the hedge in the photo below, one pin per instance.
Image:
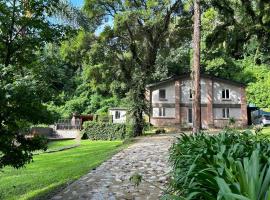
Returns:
(104, 131)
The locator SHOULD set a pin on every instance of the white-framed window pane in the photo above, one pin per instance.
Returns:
(162, 94)
(117, 114)
(223, 94)
(162, 112)
(227, 94)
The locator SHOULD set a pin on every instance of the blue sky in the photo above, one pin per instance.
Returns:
(77, 3)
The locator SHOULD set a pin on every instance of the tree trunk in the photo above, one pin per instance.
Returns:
(196, 68)
(138, 123)
(138, 106)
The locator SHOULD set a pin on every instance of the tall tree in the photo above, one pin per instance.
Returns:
(25, 29)
(140, 29)
(196, 68)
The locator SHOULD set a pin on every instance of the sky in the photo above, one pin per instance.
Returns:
(77, 3)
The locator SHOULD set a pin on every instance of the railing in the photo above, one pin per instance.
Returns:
(68, 124)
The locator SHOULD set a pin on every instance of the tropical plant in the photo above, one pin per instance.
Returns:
(249, 179)
(201, 162)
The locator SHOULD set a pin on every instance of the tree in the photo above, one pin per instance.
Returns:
(25, 28)
(140, 29)
(196, 105)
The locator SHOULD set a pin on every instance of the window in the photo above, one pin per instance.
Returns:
(225, 94)
(190, 115)
(162, 112)
(225, 113)
(117, 114)
(190, 93)
(162, 94)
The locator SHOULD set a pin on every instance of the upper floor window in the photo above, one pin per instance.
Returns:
(162, 112)
(162, 94)
(225, 94)
(117, 114)
(190, 93)
(225, 113)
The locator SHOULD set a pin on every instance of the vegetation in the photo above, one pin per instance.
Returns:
(110, 51)
(229, 165)
(104, 131)
(52, 170)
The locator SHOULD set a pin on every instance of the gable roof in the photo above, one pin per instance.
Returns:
(187, 76)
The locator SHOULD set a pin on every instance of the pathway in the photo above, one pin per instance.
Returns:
(110, 181)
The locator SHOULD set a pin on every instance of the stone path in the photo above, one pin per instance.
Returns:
(110, 181)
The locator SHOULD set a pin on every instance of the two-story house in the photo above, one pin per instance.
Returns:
(221, 99)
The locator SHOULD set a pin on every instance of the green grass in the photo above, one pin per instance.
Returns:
(61, 144)
(266, 131)
(49, 171)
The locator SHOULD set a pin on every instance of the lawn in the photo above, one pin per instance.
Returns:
(52, 170)
(266, 131)
(62, 144)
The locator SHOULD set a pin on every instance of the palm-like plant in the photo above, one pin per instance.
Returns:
(250, 181)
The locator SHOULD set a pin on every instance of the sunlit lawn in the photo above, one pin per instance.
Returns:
(51, 170)
(266, 131)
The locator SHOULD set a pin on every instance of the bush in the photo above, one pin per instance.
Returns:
(104, 131)
(160, 131)
(220, 166)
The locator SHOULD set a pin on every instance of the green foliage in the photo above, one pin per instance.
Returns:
(136, 179)
(160, 131)
(250, 179)
(212, 166)
(104, 131)
(25, 81)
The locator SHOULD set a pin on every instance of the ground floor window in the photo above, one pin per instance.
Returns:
(117, 114)
(190, 115)
(162, 112)
(225, 113)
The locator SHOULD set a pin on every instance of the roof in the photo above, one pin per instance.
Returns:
(118, 108)
(184, 76)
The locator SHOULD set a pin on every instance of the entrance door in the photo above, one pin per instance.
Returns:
(190, 117)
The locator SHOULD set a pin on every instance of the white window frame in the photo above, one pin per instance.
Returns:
(227, 94)
(117, 114)
(162, 98)
(225, 113)
(162, 112)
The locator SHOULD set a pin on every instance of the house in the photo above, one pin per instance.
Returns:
(171, 102)
(118, 115)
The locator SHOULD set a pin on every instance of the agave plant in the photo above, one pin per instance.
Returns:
(200, 163)
(252, 180)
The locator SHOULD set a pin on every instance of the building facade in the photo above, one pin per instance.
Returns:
(118, 115)
(171, 102)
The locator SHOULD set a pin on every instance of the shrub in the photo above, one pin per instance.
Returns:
(206, 166)
(104, 131)
(160, 131)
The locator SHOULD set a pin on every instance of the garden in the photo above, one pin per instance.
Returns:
(229, 165)
(51, 171)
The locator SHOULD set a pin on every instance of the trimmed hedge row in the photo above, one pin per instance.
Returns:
(104, 131)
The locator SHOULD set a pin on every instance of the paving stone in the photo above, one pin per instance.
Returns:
(148, 157)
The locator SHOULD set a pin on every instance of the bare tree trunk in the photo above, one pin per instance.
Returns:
(196, 68)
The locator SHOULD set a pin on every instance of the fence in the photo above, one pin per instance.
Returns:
(68, 124)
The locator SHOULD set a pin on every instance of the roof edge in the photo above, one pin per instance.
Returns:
(183, 76)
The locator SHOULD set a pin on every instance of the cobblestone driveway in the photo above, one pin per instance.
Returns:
(110, 181)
